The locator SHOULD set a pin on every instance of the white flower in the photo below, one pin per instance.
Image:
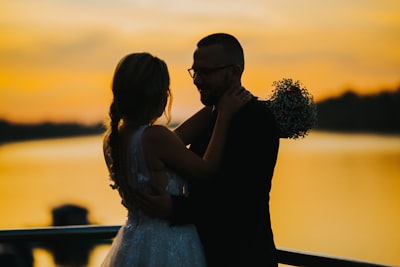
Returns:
(293, 108)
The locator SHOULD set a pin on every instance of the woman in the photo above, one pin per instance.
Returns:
(144, 157)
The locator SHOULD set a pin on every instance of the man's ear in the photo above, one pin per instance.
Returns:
(237, 71)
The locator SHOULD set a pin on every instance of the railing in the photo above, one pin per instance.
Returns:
(285, 256)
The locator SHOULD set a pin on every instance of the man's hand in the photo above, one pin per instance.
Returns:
(156, 206)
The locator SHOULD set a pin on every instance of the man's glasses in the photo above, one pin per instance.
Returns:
(206, 71)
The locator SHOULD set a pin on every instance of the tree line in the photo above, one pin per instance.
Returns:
(379, 113)
(18, 132)
(350, 112)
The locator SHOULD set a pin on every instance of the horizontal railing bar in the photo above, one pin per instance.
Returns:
(59, 233)
(76, 232)
(302, 258)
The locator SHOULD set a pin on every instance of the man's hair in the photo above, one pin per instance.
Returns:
(232, 48)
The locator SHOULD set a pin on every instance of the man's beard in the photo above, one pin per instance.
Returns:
(208, 101)
(213, 98)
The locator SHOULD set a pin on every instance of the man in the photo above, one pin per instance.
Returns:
(230, 210)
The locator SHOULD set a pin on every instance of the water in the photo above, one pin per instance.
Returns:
(335, 194)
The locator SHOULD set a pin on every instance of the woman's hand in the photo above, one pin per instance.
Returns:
(233, 100)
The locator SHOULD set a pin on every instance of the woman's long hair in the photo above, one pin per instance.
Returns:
(141, 92)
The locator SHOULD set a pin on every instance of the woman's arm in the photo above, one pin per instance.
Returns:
(167, 150)
(161, 205)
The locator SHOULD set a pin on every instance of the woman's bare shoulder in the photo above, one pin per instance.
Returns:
(158, 134)
(155, 131)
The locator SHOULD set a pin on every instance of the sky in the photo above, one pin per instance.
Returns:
(57, 57)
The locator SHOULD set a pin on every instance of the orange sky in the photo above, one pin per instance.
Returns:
(57, 57)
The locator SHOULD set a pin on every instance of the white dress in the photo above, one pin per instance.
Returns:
(148, 242)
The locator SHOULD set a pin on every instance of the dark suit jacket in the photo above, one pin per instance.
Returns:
(231, 210)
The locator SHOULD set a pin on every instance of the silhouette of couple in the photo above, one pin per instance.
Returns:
(197, 195)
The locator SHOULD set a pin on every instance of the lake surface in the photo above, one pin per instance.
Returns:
(334, 194)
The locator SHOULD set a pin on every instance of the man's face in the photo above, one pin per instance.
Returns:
(213, 75)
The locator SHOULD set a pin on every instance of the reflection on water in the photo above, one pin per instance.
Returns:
(339, 195)
(336, 194)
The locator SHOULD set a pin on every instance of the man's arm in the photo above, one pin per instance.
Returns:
(158, 205)
(193, 126)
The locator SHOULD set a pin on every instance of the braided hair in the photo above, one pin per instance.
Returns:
(141, 92)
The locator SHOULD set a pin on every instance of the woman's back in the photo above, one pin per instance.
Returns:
(146, 241)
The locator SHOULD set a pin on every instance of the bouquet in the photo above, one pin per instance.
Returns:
(293, 108)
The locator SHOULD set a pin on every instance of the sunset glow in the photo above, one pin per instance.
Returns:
(57, 57)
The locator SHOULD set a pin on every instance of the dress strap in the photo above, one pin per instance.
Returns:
(138, 161)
